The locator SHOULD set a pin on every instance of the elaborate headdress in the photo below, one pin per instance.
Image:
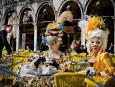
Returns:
(96, 28)
(56, 28)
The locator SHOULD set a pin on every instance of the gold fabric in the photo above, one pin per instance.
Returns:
(70, 79)
(103, 62)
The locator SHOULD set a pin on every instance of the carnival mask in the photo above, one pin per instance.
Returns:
(96, 43)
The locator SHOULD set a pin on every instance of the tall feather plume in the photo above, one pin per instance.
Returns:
(65, 16)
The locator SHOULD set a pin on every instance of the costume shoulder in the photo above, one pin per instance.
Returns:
(107, 57)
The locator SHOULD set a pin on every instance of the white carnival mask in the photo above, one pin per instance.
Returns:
(96, 41)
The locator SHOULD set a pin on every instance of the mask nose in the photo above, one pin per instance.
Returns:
(95, 44)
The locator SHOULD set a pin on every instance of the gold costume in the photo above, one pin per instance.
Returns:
(103, 62)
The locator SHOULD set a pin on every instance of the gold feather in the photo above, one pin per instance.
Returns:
(65, 16)
(94, 22)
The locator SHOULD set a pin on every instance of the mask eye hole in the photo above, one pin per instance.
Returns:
(92, 41)
(98, 42)
(52, 42)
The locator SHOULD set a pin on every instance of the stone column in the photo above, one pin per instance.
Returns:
(114, 36)
(17, 37)
(82, 37)
(2, 27)
(114, 30)
(35, 37)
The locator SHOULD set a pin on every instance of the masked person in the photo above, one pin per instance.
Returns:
(53, 36)
(97, 36)
(54, 33)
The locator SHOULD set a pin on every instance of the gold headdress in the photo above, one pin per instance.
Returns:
(57, 26)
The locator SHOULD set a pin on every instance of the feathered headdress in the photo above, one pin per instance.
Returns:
(92, 24)
(96, 28)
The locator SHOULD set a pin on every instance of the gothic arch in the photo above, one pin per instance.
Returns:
(29, 9)
(72, 30)
(78, 5)
(5, 17)
(26, 28)
(89, 2)
(42, 7)
(45, 14)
